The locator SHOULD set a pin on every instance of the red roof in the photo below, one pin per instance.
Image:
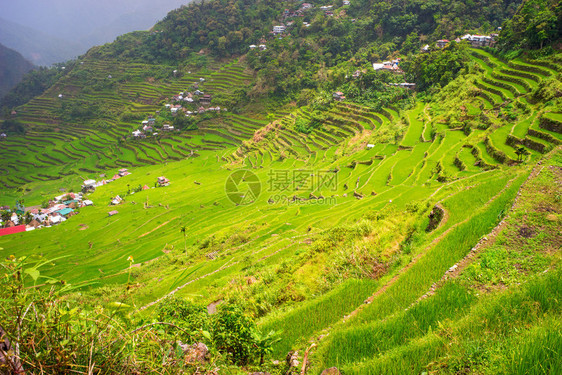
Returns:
(12, 230)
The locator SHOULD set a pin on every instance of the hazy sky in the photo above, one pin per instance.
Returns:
(57, 30)
(79, 19)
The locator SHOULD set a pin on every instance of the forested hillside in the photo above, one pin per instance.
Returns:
(12, 68)
(261, 187)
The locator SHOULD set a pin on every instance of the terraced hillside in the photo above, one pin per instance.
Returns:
(347, 240)
(64, 149)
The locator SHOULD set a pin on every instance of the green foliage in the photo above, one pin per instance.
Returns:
(548, 89)
(438, 67)
(33, 84)
(12, 126)
(48, 332)
(79, 110)
(191, 317)
(536, 24)
(233, 333)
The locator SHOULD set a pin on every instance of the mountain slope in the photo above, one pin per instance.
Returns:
(367, 226)
(12, 68)
(36, 46)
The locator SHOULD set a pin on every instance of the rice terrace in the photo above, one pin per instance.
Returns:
(267, 199)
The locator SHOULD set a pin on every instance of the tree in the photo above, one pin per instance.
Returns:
(232, 333)
(520, 152)
(183, 229)
(264, 343)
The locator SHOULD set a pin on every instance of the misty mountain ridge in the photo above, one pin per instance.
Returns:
(63, 29)
(13, 66)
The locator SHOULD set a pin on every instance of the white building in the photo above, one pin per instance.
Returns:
(279, 29)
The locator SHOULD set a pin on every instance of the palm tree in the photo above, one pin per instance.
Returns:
(183, 229)
(520, 152)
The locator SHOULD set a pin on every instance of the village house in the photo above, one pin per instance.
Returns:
(124, 172)
(338, 96)
(163, 181)
(167, 127)
(206, 99)
(477, 41)
(138, 134)
(253, 46)
(346, 2)
(391, 66)
(117, 200)
(32, 225)
(66, 212)
(262, 47)
(405, 85)
(306, 6)
(12, 230)
(279, 29)
(3, 136)
(89, 185)
(111, 213)
(441, 43)
(188, 97)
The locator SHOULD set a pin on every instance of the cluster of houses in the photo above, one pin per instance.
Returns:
(117, 200)
(299, 12)
(476, 41)
(58, 210)
(197, 98)
(281, 29)
(261, 47)
(389, 66)
(338, 96)
(91, 185)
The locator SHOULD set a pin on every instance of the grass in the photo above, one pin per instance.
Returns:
(302, 322)
(370, 340)
(268, 255)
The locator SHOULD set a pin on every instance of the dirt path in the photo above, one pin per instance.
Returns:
(223, 267)
(158, 227)
(414, 260)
